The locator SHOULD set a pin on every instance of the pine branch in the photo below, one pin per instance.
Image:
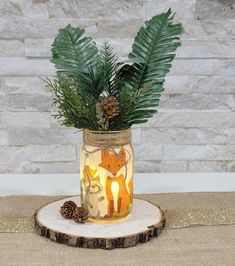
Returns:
(87, 78)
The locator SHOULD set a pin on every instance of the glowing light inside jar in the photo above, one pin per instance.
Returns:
(115, 190)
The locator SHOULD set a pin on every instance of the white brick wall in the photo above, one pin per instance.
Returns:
(194, 129)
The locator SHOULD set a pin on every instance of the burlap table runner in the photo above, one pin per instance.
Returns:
(181, 210)
(187, 240)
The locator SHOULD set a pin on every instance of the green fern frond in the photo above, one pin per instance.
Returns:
(71, 52)
(154, 46)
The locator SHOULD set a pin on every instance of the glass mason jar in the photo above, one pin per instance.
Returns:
(106, 170)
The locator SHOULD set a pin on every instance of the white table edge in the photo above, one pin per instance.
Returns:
(144, 183)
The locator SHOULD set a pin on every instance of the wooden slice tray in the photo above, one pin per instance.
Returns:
(144, 223)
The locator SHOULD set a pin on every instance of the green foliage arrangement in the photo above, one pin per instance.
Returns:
(93, 90)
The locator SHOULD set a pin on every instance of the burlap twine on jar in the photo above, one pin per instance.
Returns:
(107, 138)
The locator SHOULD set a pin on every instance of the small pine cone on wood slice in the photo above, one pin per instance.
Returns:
(68, 209)
(109, 107)
(80, 215)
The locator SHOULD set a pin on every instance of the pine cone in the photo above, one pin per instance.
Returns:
(67, 209)
(80, 215)
(110, 107)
